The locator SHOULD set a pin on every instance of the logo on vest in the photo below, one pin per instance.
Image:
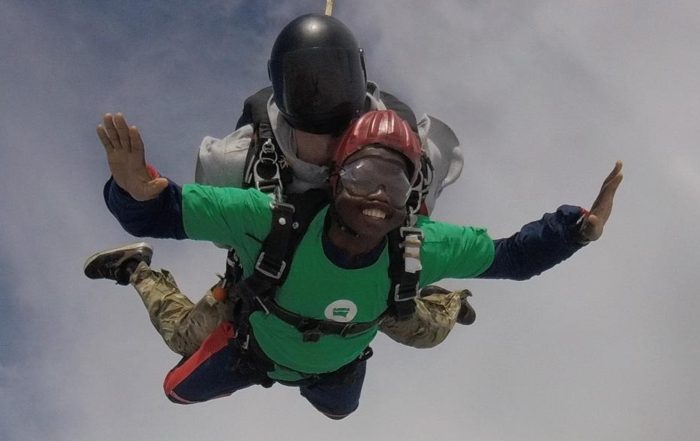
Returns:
(342, 311)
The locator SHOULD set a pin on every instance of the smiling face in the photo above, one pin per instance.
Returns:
(375, 206)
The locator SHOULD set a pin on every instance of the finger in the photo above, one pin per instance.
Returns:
(135, 139)
(122, 130)
(615, 171)
(108, 122)
(609, 187)
(137, 145)
(104, 139)
(601, 209)
(603, 202)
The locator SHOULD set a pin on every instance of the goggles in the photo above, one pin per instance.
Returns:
(368, 175)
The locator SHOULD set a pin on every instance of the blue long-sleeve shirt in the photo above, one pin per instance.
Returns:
(537, 247)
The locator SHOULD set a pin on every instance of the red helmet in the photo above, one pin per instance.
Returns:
(383, 127)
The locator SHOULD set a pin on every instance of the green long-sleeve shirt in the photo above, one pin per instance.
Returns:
(315, 287)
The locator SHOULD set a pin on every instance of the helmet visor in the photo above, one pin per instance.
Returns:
(368, 175)
(322, 88)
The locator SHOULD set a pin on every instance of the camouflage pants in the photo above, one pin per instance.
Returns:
(432, 322)
(184, 325)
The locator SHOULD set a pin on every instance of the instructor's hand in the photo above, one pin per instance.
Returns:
(593, 223)
(126, 158)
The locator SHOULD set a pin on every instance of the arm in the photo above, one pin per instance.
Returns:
(537, 247)
(160, 217)
(149, 205)
(144, 203)
(540, 245)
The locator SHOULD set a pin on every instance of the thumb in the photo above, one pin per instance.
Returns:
(157, 185)
(592, 228)
(151, 189)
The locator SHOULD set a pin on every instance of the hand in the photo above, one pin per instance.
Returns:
(126, 158)
(592, 225)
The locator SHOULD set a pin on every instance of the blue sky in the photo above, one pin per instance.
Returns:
(545, 95)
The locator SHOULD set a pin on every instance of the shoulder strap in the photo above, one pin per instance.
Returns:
(255, 108)
(266, 167)
(290, 220)
(306, 206)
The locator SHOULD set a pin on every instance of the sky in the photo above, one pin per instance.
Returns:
(544, 96)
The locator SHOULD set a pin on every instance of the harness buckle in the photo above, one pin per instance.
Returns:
(277, 204)
(405, 294)
(310, 330)
(346, 329)
(266, 169)
(268, 148)
(245, 343)
(273, 273)
(406, 231)
(411, 240)
(312, 336)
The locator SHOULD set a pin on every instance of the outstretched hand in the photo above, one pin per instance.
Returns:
(593, 223)
(126, 158)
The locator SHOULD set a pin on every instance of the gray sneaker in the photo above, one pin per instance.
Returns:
(118, 263)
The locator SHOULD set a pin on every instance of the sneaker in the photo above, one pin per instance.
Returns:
(118, 263)
(466, 314)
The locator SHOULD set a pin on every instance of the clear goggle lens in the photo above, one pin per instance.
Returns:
(367, 176)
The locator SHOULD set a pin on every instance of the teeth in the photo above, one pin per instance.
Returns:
(374, 212)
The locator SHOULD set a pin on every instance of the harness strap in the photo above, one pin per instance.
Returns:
(271, 265)
(254, 360)
(267, 170)
(266, 166)
(404, 270)
(312, 329)
(272, 260)
(289, 222)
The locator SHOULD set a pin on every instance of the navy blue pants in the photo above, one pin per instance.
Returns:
(211, 372)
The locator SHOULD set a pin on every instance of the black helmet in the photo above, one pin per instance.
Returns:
(318, 74)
